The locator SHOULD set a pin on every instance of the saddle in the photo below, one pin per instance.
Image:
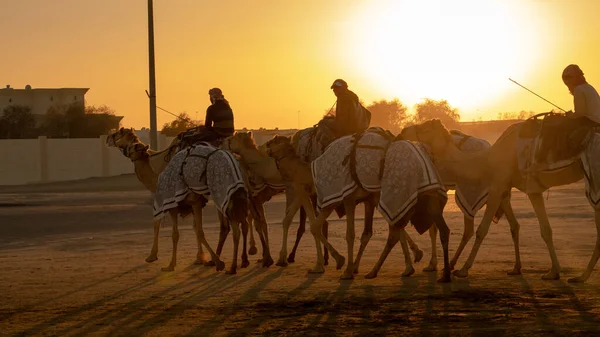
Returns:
(197, 135)
(559, 136)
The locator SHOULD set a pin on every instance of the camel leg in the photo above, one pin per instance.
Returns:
(175, 237)
(467, 235)
(414, 247)
(325, 230)
(317, 232)
(433, 262)
(537, 200)
(350, 207)
(325, 227)
(588, 271)
(224, 229)
(316, 228)
(197, 212)
(444, 237)
(301, 230)
(154, 252)
(235, 226)
(367, 233)
(245, 262)
(252, 224)
(287, 220)
(200, 257)
(493, 202)
(395, 234)
(263, 235)
(514, 232)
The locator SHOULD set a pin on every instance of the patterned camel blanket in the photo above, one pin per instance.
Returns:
(591, 165)
(408, 172)
(201, 169)
(333, 171)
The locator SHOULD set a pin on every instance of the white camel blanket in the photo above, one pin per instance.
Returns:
(201, 169)
(591, 165)
(470, 195)
(332, 170)
(408, 172)
(308, 146)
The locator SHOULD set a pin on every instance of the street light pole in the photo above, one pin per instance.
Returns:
(152, 94)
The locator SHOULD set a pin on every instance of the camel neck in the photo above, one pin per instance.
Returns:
(145, 174)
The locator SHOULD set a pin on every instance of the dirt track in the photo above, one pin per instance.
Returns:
(72, 261)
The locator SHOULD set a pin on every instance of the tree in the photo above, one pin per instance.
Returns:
(431, 109)
(17, 122)
(180, 124)
(75, 121)
(389, 115)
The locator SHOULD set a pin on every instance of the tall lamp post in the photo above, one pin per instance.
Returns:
(152, 94)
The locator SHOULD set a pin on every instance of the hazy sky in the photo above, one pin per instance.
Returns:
(273, 58)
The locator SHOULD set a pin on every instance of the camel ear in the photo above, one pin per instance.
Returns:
(146, 147)
(250, 134)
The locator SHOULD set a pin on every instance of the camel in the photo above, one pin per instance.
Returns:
(264, 166)
(299, 173)
(148, 165)
(498, 166)
(191, 175)
(467, 144)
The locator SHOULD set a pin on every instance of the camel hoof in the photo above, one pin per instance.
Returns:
(245, 264)
(230, 272)
(371, 275)
(326, 262)
(281, 263)
(220, 265)
(418, 255)
(291, 258)
(210, 263)
(168, 268)
(445, 279)
(252, 251)
(347, 276)
(461, 273)
(551, 276)
(430, 268)
(408, 272)
(514, 272)
(355, 271)
(316, 270)
(578, 279)
(268, 262)
(151, 258)
(202, 262)
(340, 262)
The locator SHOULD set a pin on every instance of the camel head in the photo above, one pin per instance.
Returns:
(122, 138)
(280, 147)
(239, 141)
(432, 133)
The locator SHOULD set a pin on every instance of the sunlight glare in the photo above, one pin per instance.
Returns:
(462, 51)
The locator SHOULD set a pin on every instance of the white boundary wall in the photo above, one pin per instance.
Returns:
(24, 161)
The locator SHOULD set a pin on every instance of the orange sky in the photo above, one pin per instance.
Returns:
(274, 58)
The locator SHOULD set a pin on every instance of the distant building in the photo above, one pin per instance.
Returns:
(41, 99)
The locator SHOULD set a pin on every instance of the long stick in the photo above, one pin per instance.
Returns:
(515, 82)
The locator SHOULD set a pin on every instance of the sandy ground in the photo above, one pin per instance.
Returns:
(72, 263)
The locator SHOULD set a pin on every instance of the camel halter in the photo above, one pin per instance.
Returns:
(132, 154)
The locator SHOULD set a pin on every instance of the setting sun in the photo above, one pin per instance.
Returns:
(462, 51)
